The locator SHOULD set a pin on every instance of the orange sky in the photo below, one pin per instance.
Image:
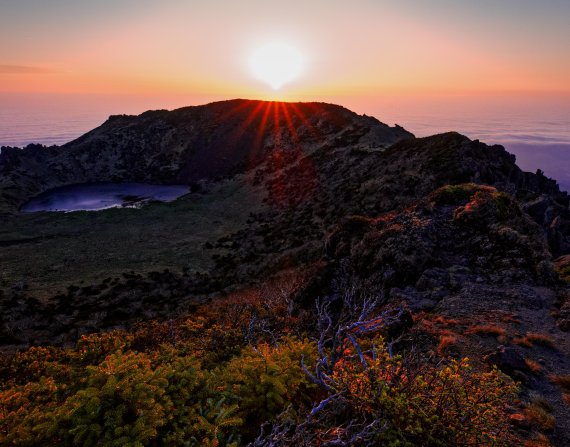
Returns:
(356, 48)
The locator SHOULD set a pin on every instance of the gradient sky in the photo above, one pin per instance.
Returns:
(357, 47)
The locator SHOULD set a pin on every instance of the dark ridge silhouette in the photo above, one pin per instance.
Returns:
(186, 145)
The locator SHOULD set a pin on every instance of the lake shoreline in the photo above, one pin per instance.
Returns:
(98, 196)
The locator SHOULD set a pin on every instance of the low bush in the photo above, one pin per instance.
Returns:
(486, 329)
(454, 194)
(538, 413)
(196, 382)
(540, 339)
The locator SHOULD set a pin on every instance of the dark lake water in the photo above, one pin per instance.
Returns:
(99, 196)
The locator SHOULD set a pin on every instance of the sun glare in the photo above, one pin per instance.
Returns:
(276, 64)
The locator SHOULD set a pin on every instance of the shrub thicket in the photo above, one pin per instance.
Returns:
(205, 381)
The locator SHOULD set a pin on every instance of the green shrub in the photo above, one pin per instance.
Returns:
(439, 406)
(265, 380)
(454, 194)
(175, 392)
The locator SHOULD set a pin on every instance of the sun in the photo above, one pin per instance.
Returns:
(276, 64)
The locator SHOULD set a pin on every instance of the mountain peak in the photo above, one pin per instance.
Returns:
(190, 144)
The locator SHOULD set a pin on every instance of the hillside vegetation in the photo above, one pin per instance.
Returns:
(330, 280)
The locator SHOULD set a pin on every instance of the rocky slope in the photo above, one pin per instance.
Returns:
(447, 227)
(186, 145)
(312, 165)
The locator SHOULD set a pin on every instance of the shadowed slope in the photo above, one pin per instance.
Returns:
(186, 145)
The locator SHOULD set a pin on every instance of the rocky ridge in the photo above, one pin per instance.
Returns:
(186, 145)
(474, 248)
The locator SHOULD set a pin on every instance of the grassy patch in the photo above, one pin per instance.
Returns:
(538, 339)
(539, 440)
(445, 341)
(534, 367)
(564, 383)
(522, 341)
(50, 251)
(538, 413)
(504, 205)
(454, 194)
(535, 339)
(487, 329)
